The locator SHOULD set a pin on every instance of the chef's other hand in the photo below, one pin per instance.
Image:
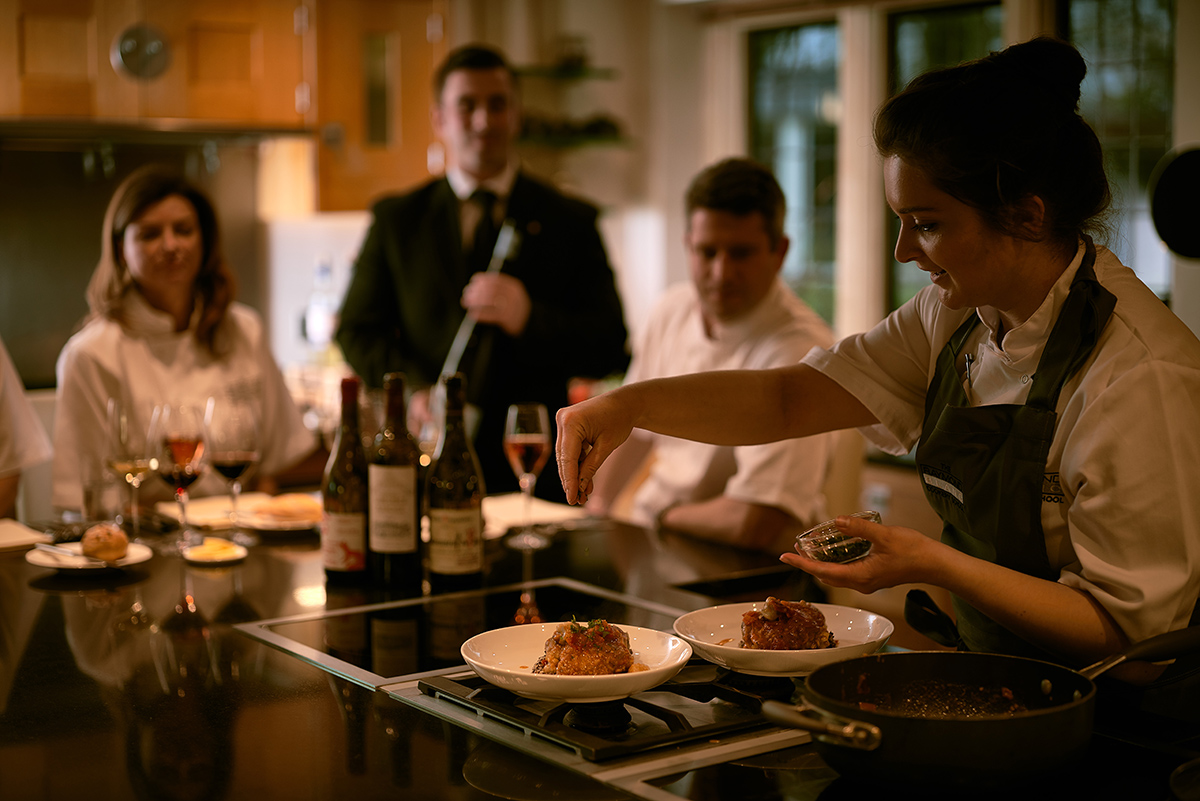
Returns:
(898, 556)
(588, 432)
(497, 299)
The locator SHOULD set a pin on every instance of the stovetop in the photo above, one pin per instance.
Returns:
(705, 716)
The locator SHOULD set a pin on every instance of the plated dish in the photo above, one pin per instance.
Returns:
(716, 634)
(135, 554)
(505, 657)
(214, 551)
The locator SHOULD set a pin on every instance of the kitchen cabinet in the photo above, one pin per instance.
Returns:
(136, 60)
(375, 62)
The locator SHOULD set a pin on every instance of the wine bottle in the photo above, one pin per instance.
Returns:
(454, 500)
(344, 494)
(393, 514)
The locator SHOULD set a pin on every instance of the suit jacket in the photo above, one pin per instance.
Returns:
(403, 308)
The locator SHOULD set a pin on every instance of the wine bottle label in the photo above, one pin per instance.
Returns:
(344, 540)
(392, 499)
(456, 541)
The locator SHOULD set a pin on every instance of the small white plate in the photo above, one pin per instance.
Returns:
(259, 522)
(214, 551)
(716, 634)
(505, 657)
(135, 554)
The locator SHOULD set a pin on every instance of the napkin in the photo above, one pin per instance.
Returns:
(16, 536)
(502, 512)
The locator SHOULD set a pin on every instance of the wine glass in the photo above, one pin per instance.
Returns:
(128, 455)
(527, 446)
(178, 454)
(234, 449)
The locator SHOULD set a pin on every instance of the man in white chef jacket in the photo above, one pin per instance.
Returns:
(735, 312)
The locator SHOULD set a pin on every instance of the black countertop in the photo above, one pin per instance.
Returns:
(108, 692)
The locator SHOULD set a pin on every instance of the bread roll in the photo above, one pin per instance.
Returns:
(105, 541)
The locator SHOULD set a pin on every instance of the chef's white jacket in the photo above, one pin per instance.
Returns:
(789, 474)
(1120, 506)
(144, 362)
(23, 441)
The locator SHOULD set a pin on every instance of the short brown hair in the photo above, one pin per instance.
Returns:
(470, 57)
(740, 186)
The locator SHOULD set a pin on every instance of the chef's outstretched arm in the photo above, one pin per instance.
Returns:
(729, 407)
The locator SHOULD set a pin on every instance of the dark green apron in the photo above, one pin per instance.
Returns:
(983, 467)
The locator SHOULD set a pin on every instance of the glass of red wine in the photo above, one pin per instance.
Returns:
(179, 456)
(233, 444)
(527, 446)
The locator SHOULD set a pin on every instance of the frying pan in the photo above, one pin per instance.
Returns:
(957, 719)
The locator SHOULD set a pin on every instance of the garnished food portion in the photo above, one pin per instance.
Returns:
(104, 541)
(786, 626)
(597, 648)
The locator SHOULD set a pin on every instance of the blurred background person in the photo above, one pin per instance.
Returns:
(736, 312)
(163, 327)
(552, 314)
(23, 441)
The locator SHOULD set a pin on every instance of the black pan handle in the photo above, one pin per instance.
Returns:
(852, 733)
(1172, 645)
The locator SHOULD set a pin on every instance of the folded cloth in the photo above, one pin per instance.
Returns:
(16, 536)
(502, 512)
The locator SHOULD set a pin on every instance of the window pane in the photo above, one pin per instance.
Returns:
(1127, 98)
(794, 109)
(924, 40)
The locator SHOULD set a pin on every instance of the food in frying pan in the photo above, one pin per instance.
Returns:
(786, 626)
(104, 541)
(587, 649)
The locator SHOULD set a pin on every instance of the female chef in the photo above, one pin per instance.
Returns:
(1048, 391)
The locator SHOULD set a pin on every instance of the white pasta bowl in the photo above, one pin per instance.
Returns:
(716, 634)
(505, 657)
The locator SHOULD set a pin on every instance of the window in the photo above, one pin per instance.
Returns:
(1127, 98)
(920, 41)
(794, 107)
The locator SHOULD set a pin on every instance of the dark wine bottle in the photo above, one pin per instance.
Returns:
(454, 501)
(394, 512)
(344, 493)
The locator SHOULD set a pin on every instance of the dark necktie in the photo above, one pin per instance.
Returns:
(485, 232)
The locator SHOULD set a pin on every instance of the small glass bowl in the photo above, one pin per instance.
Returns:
(827, 543)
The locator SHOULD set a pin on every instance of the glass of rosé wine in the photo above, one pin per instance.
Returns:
(527, 446)
(178, 448)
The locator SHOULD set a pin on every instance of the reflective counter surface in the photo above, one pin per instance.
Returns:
(143, 683)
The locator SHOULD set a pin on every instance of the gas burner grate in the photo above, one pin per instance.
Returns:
(700, 703)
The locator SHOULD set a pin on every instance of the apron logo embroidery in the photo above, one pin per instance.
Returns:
(942, 482)
(1052, 491)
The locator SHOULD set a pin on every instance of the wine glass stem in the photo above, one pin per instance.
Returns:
(235, 488)
(135, 520)
(527, 481)
(181, 497)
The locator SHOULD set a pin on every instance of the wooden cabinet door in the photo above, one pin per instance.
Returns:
(232, 60)
(235, 61)
(375, 60)
(54, 59)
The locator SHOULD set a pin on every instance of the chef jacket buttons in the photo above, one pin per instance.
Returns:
(1025, 379)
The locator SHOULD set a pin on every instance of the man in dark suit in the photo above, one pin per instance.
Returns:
(551, 314)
